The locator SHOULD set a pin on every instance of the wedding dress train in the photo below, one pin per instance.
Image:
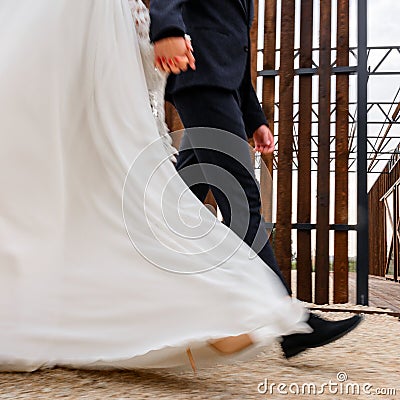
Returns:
(106, 258)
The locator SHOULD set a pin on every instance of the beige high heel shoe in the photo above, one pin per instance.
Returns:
(191, 360)
(225, 346)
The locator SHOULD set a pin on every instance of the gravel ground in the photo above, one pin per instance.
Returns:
(369, 355)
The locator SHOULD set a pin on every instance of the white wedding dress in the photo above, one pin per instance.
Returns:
(106, 258)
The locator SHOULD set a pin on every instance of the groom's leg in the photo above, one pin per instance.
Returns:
(219, 108)
(186, 159)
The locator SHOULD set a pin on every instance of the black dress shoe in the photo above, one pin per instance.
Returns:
(324, 332)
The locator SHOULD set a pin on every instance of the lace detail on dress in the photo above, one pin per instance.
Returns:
(155, 79)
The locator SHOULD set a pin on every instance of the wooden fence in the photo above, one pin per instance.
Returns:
(282, 75)
(384, 220)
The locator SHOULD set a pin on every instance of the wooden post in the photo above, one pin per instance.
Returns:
(341, 260)
(304, 259)
(268, 103)
(254, 45)
(323, 186)
(285, 150)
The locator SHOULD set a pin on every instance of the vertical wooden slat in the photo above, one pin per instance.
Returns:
(377, 221)
(304, 261)
(396, 216)
(378, 218)
(322, 256)
(382, 239)
(254, 45)
(285, 149)
(268, 98)
(380, 267)
(265, 181)
(341, 263)
(268, 102)
(372, 244)
(210, 200)
(174, 123)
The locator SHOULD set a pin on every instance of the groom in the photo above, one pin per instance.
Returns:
(216, 92)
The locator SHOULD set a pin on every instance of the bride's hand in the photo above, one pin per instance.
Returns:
(174, 54)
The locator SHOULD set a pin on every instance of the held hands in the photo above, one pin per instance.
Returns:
(263, 140)
(174, 55)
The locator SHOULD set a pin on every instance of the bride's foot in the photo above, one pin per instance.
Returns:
(225, 346)
(232, 344)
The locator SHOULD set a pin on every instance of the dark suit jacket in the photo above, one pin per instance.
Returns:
(220, 35)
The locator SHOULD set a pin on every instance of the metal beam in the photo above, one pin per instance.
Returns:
(312, 71)
(362, 194)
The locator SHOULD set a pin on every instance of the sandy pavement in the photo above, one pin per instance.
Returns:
(367, 360)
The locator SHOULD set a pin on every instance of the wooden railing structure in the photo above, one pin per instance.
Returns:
(297, 140)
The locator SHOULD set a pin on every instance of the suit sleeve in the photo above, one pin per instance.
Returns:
(166, 19)
(253, 115)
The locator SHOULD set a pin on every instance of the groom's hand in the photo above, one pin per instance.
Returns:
(263, 140)
(173, 55)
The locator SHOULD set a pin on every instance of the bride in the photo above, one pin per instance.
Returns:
(106, 258)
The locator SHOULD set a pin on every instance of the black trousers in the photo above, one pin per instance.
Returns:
(212, 159)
